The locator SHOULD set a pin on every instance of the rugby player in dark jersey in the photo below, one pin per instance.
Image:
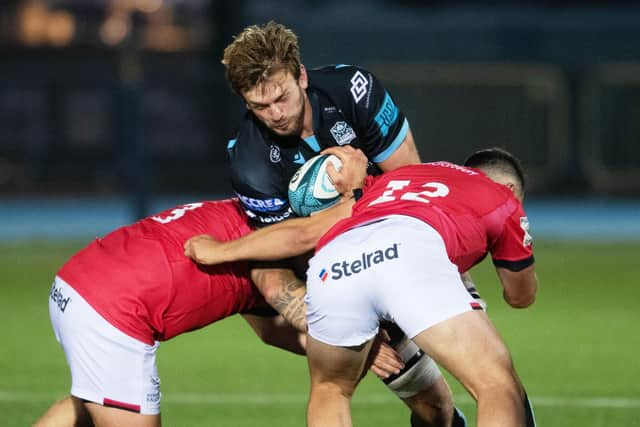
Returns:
(295, 113)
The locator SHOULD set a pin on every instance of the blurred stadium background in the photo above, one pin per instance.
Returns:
(113, 109)
(116, 106)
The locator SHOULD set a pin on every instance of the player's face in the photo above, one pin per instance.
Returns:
(279, 103)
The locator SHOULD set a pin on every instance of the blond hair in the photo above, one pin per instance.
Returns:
(257, 53)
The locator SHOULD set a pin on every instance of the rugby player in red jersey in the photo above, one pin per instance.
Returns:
(114, 301)
(399, 257)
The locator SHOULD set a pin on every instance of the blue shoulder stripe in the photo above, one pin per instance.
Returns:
(394, 145)
(312, 142)
(387, 114)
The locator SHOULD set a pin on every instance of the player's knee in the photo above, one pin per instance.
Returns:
(521, 301)
(500, 379)
(333, 388)
(493, 370)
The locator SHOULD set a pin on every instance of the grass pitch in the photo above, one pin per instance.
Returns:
(576, 349)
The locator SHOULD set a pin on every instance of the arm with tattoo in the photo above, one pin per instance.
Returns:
(284, 292)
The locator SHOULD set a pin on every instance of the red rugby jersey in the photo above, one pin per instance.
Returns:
(139, 280)
(473, 214)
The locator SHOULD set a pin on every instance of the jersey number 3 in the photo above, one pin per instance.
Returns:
(395, 189)
(176, 213)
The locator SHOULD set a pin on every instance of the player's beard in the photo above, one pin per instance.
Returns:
(297, 122)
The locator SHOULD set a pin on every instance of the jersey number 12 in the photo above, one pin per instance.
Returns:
(395, 187)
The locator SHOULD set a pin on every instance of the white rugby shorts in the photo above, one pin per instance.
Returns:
(394, 269)
(107, 366)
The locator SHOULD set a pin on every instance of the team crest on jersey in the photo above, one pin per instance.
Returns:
(274, 153)
(359, 85)
(342, 133)
(524, 224)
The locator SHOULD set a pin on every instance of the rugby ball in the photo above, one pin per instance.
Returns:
(311, 189)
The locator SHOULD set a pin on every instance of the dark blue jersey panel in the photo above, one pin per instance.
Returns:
(350, 107)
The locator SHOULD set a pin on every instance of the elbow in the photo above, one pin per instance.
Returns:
(520, 300)
(520, 288)
(271, 295)
(268, 283)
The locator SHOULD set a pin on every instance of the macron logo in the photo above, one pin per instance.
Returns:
(365, 261)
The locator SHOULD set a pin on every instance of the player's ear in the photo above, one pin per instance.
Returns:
(516, 190)
(303, 81)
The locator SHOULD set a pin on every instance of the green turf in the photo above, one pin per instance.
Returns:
(578, 341)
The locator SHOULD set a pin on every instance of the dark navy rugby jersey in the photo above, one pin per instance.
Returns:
(350, 106)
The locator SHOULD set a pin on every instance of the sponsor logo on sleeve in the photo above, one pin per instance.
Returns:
(342, 133)
(527, 240)
(359, 85)
(365, 261)
(387, 115)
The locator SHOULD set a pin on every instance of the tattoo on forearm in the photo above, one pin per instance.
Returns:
(290, 302)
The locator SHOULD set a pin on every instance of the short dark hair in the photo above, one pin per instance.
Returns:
(498, 160)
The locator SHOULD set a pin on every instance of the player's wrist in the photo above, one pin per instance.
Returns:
(356, 193)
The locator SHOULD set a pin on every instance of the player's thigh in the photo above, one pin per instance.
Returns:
(423, 287)
(340, 366)
(340, 310)
(469, 346)
(69, 411)
(104, 416)
(108, 367)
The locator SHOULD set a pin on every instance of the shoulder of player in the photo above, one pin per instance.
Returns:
(337, 70)
(337, 76)
(347, 87)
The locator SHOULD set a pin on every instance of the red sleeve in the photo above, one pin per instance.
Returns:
(513, 249)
